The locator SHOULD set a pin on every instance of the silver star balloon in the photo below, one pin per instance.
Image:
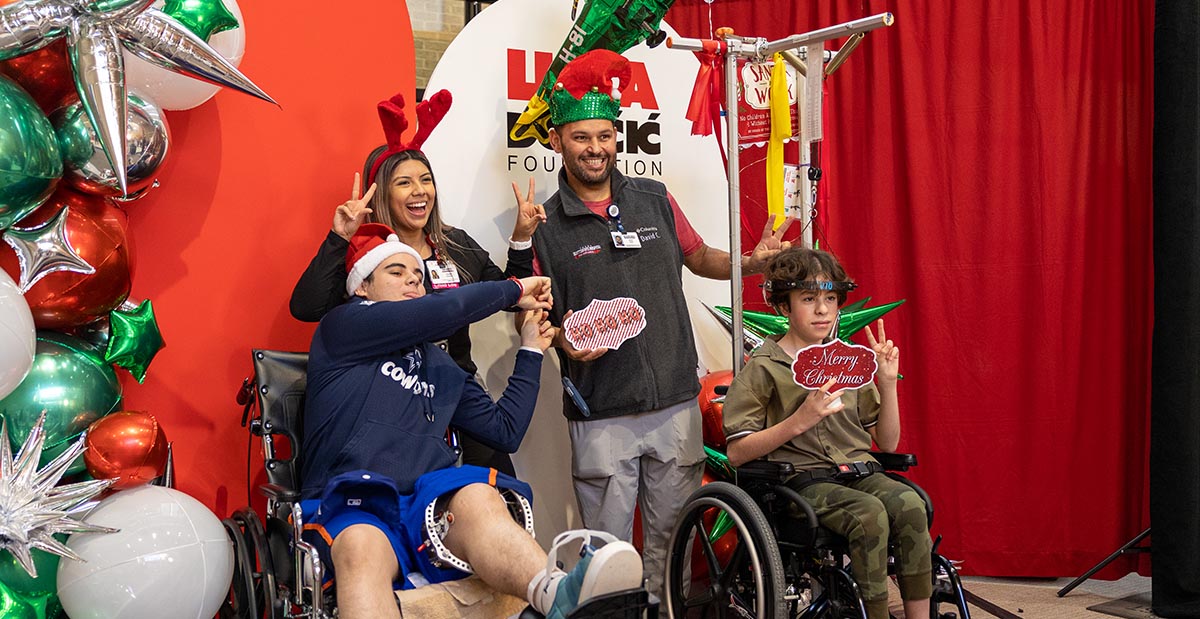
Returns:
(95, 31)
(750, 341)
(33, 509)
(44, 249)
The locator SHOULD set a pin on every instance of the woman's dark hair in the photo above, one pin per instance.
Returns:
(381, 212)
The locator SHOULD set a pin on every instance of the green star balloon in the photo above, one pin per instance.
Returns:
(134, 339)
(204, 17)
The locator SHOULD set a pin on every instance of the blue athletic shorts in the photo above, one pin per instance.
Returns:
(363, 497)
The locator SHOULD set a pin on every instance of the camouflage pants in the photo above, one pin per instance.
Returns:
(870, 512)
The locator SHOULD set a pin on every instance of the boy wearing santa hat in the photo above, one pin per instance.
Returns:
(380, 399)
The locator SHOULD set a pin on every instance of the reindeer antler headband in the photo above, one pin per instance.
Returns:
(391, 115)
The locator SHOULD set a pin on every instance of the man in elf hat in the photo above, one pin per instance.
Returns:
(379, 401)
(591, 249)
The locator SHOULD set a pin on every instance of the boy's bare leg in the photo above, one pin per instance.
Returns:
(365, 565)
(916, 609)
(485, 535)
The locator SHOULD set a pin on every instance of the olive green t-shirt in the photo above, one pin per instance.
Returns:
(765, 393)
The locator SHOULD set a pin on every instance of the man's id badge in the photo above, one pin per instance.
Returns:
(442, 275)
(626, 240)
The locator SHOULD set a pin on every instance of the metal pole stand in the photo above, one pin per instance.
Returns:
(733, 47)
(1130, 547)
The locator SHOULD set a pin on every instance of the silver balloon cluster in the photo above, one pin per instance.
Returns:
(86, 165)
(32, 508)
(95, 31)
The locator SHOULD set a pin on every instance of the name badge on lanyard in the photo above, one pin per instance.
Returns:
(442, 275)
(621, 238)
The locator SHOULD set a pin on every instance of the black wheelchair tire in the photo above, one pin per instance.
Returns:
(756, 556)
(241, 602)
(263, 571)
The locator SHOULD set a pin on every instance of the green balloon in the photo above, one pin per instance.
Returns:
(203, 17)
(22, 597)
(71, 384)
(30, 165)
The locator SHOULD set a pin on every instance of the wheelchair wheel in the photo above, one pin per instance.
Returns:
(739, 574)
(241, 603)
(259, 566)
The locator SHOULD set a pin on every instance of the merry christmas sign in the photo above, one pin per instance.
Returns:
(850, 365)
(605, 324)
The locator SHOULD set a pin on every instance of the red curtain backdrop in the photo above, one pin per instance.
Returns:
(991, 163)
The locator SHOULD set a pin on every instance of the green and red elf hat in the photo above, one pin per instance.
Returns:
(589, 87)
(391, 115)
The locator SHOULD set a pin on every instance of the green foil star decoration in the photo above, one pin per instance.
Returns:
(133, 338)
(204, 17)
(44, 249)
(851, 319)
(33, 508)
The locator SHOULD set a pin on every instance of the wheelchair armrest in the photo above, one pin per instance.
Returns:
(765, 471)
(894, 461)
(279, 493)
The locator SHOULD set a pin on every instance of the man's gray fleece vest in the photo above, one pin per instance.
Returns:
(658, 367)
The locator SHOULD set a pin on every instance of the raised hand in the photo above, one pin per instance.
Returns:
(770, 244)
(887, 354)
(350, 214)
(535, 293)
(817, 406)
(529, 214)
(585, 354)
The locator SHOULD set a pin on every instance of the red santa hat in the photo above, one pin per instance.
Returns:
(369, 247)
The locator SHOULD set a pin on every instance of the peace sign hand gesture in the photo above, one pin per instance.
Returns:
(350, 214)
(887, 354)
(770, 244)
(529, 214)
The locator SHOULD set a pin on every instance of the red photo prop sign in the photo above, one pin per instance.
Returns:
(851, 365)
(605, 324)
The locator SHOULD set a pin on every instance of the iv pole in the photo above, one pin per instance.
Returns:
(734, 47)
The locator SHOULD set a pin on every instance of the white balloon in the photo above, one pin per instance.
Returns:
(171, 558)
(18, 339)
(172, 91)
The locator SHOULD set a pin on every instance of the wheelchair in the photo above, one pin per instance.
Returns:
(747, 545)
(277, 575)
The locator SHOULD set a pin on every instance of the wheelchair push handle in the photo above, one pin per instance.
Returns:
(245, 398)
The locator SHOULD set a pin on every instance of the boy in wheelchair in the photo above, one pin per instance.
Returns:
(827, 436)
(375, 467)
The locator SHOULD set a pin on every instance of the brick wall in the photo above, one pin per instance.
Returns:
(435, 23)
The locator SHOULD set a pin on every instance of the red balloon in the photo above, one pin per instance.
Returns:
(45, 74)
(97, 231)
(723, 548)
(129, 446)
(714, 428)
